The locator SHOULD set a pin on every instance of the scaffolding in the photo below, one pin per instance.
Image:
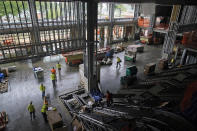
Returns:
(183, 19)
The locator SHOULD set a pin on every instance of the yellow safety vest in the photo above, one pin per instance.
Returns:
(31, 108)
(52, 76)
(58, 66)
(44, 108)
(42, 88)
(118, 59)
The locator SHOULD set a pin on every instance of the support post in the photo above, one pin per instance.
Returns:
(91, 26)
(111, 18)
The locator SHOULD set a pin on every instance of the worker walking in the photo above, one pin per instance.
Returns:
(118, 62)
(53, 71)
(43, 111)
(58, 67)
(31, 110)
(109, 98)
(42, 89)
(53, 78)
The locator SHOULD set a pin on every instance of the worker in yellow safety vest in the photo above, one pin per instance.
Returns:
(42, 89)
(43, 111)
(53, 78)
(58, 67)
(31, 110)
(118, 62)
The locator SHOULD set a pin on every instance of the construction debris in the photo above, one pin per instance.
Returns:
(4, 85)
(151, 104)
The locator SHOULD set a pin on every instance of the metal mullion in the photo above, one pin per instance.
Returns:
(52, 15)
(4, 38)
(77, 17)
(49, 35)
(38, 28)
(47, 51)
(32, 27)
(21, 25)
(43, 31)
(26, 22)
(16, 28)
(2, 52)
(8, 25)
(80, 14)
(78, 22)
(66, 25)
(83, 25)
(62, 21)
(53, 26)
(58, 51)
(75, 23)
(70, 22)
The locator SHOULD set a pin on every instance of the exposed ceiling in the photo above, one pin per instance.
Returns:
(167, 2)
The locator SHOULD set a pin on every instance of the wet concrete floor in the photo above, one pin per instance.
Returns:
(23, 87)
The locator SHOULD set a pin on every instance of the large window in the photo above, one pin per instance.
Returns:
(124, 10)
(103, 11)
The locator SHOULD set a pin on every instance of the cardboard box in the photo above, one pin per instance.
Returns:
(54, 119)
(149, 68)
(163, 64)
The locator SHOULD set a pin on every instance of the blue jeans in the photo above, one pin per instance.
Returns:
(43, 94)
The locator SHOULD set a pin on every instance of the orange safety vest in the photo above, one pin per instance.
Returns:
(53, 71)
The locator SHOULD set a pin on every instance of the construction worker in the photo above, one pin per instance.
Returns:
(109, 98)
(42, 89)
(118, 62)
(53, 70)
(58, 67)
(53, 78)
(31, 110)
(43, 111)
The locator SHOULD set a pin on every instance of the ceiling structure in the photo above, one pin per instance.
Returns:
(167, 2)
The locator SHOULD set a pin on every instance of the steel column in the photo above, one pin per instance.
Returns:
(91, 26)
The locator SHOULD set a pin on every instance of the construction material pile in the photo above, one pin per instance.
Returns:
(163, 101)
(3, 120)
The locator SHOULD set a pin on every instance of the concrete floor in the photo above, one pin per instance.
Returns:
(110, 76)
(23, 87)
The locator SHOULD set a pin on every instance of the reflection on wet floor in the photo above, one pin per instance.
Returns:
(23, 87)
